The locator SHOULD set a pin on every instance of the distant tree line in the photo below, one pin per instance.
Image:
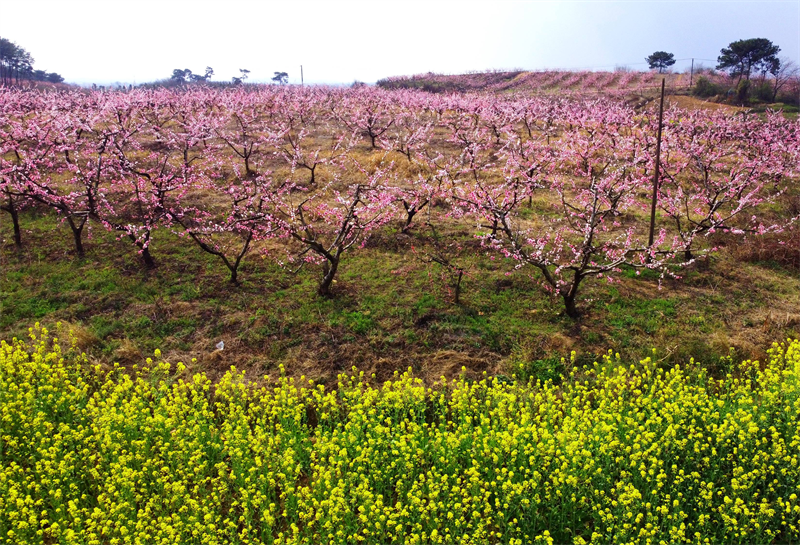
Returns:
(185, 75)
(16, 65)
(742, 59)
(739, 59)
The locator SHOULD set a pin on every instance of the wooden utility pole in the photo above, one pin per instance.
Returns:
(658, 167)
(301, 74)
(691, 73)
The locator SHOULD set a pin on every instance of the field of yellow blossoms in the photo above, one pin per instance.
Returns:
(615, 453)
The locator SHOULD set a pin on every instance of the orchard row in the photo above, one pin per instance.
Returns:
(561, 81)
(562, 187)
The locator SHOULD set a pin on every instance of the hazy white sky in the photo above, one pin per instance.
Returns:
(106, 41)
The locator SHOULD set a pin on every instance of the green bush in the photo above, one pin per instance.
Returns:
(705, 88)
(763, 91)
(743, 91)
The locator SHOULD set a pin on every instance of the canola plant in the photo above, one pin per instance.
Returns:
(615, 453)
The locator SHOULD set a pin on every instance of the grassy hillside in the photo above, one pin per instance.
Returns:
(391, 309)
(547, 81)
(631, 85)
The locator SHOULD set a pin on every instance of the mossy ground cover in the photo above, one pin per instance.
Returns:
(390, 310)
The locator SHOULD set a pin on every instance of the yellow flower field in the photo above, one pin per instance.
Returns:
(616, 453)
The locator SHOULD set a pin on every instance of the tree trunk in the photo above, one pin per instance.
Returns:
(149, 263)
(569, 305)
(235, 267)
(77, 234)
(409, 218)
(329, 271)
(144, 251)
(412, 211)
(457, 290)
(687, 255)
(570, 296)
(11, 209)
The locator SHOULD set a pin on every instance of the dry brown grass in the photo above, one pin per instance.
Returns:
(779, 249)
(79, 335)
(694, 103)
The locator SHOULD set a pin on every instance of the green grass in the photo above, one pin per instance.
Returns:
(390, 309)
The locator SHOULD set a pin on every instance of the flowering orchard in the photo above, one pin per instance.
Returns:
(618, 453)
(618, 83)
(558, 187)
